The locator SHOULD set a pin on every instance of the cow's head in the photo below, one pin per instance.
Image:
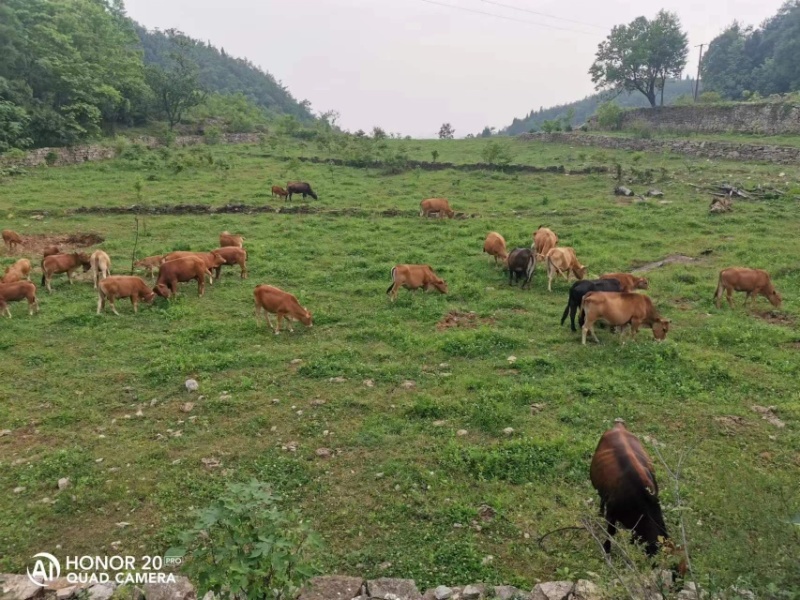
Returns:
(450, 213)
(306, 318)
(162, 290)
(84, 260)
(581, 271)
(149, 296)
(440, 284)
(660, 328)
(774, 297)
(641, 283)
(217, 259)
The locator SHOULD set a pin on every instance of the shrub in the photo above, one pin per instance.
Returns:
(683, 100)
(640, 129)
(212, 135)
(709, 98)
(609, 116)
(551, 126)
(496, 153)
(50, 158)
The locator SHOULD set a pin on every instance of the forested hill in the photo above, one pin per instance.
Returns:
(588, 106)
(221, 73)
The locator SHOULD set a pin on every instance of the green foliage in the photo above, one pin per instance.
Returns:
(446, 132)
(709, 98)
(14, 122)
(246, 545)
(496, 153)
(684, 100)
(609, 116)
(551, 126)
(212, 135)
(378, 133)
(235, 112)
(640, 129)
(434, 155)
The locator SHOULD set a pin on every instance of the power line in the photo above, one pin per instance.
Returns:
(488, 14)
(541, 14)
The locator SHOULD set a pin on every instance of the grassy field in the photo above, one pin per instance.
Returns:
(98, 398)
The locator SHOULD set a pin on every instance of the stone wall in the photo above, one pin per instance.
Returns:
(702, 149)
(762, 119)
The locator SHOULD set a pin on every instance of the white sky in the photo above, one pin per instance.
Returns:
(409, 65)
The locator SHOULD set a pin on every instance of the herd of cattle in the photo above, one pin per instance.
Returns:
(621, 471)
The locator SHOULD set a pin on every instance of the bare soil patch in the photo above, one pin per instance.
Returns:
(668, 260)
(35, 244)
(775, 317)
(467, 320)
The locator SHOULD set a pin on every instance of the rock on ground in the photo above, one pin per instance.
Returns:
(393, 589)
(472, 592)
(100, 592)
(552, 590)
(19, 587)
(332, 588)
(182, 589)
(509, 592)
(586, 590)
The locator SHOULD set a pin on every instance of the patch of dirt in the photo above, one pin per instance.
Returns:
(681, 303)
(35, 244)
(768, 414)
(774, 317)
(469, 320)
(794, 344)
(668, 260)
(730, 423)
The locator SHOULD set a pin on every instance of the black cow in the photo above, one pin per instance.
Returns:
(579, 289)
(521, 263)
(300, 187)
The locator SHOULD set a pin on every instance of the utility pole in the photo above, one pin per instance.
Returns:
(697, 81)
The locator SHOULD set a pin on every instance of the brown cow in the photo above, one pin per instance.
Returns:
(150, 264)
(495, 245)
(413, 277)
(299, 187)
(628, 282)
(12, 239)
(181, 270)
(50, 250)
(619, 309)
(439, 206)
(233, 256)
(123, 286)
(17, 272)
(101, 266)
(562, 261)
(279, 192)
(284, 305)
(211, 259)
(63, 263)
(753, 281)
(544, 240)
(228, 239)
(13, 292)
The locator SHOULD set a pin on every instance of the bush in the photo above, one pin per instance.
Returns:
(50, 158)
(640, 129)
(551, 126)
(683, 100)
(212, 135)
(709, 98)
(496, 153)
(609, 116)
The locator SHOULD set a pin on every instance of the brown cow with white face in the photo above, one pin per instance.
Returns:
(753, 281)
(414, 277)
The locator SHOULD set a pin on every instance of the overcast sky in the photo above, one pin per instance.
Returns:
(410, 65)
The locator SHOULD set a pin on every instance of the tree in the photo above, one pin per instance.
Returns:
(487, 131)
(446, 132)
(641, 56)
(378, 133)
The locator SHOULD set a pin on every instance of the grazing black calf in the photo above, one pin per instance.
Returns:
(579, 289)
(521, 263)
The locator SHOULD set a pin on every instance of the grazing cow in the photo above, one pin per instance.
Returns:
(233, 256)
(544, 240)
(495, 245)
(181, 270)
(101, 266)
(150, 264)
(279, 192)
(413, 277)
(14, 292)
(299, 187)
(622, 473)
(439, 206)
(211, 259)
(228, 239)
(628, 282)
(63, 263)
(521, 264)
(284, 305)
(753, 281)
(123, 286)
(12, 239)
(622, 308)
(579, 289)
(50, 250)
(562, 261)
(17, 272)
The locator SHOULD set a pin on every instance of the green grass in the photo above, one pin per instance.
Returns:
(72, 381)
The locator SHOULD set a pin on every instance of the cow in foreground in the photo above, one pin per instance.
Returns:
(414, 277)
(623, 475)
(14, 292)
(123, 286)
(17, 272)
(495, 245)
(279, 192)
(628, 282)
(228, 239)
(753, 281)
(101, 266)
(621, 308)
(438, 206)
(11, 239)
(563, 261)
(272, 300)
(521, 264)
(181, 270)
(544, 240)
(232, 256)
(299, 187)
(579, 289)
(63, 263)
(150, 264)
(211, 259)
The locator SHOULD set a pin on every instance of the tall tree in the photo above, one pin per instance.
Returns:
(641, 56)
(727, 66)
(446, 132)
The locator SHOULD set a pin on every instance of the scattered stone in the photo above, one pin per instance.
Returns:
(100, 592)
(122, 524)
(274, 428)
(323, 452)
(63, 483)
(225, 396)
(332, 588)
(654, 193)
(153, 402)
(5, 432)
(191, 385)
(511, 359)
(19, 587)
(586, 590)
(393, 589)
(509, 592)
(318, 402)
(461, 432)
(690, 592)
(369, 383)
(621, 190)
(384, 565)
(210, 463)
(290, 446)
(182, 589)
(187, 407)
(67, 592)
(19, 489)
(442, 592)
(339, 379)
(439, 423)
(472, 592)
(508, 430)
(721, 205)
(486, 512)
(139, 412)
(537, 408)
(768, 414)
(299, 413)
(276, 401)
(487, 560)
(408, 384)
(552, 590)
(295, 361)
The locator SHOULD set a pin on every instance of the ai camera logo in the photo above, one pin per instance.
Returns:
(46, 568)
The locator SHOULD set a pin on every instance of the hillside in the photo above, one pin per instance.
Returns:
(586, 107)
(225, 74)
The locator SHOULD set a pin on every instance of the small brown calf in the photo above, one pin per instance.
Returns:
(233, 256)
(50, 250)
(14, 292)
(284, 305)
(414, 277)
(149, 264)
(438, 206)
(123, 286)
(63, 263)
(228, 239)
(279, 192)
(17, 272)
(11, 239)
(101, 266)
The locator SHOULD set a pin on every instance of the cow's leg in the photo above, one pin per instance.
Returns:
(729, 294)
(201, 286)
(47, 282)
(393, 293)
(217, 272)
(751, 296)
(69, 276)
(100, 303)
(7, 311)
(135, 302)
(278, 319)
(610, 531)
(112, 305)
(243, 274)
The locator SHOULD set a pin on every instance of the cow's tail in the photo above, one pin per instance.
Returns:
(43, 277)
(718, 292)
(582, 315)
(566, 311)
(531, 267)
(394, 269)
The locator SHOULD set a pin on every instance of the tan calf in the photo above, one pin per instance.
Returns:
(753, 281)
(414, 277)
(495, 245)
(63, 263)
(435, 205)
(149, 264)
(101, 266)
(14, 292)
(272, 300)
(211, 259)
(544, 240)
(50, 250)
(619, 309)
(627, 282)
(178, 271)
(123, 286)
(562, 261)
(233, 256)
(17, 272)
(279, 192)
(11, 239)
(228, 239)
